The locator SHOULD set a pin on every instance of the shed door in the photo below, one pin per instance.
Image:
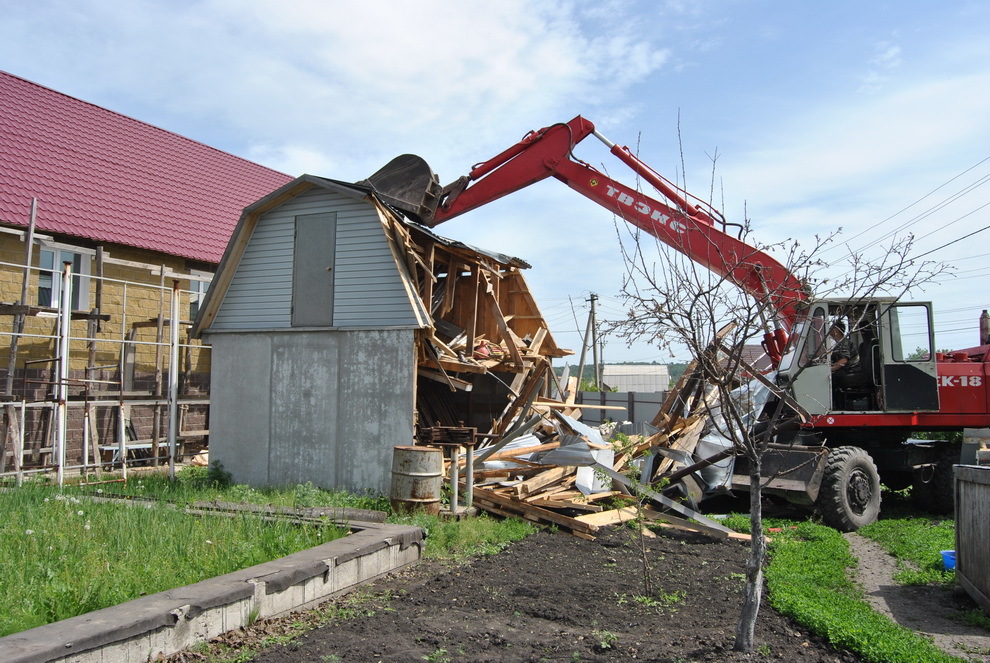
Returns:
(312, 270)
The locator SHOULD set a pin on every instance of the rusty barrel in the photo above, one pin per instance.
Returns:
(417, 477)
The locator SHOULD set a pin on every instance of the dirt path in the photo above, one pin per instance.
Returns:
(928, 610)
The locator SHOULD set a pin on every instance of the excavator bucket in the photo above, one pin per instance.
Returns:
(408, 183)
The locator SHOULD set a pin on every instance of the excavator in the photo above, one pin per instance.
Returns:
(851, 436)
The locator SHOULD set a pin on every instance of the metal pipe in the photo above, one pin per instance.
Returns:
(65, 319)
(173, 380)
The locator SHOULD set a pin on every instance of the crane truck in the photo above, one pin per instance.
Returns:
(853, 436)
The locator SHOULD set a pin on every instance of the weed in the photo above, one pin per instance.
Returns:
(764, 650)
(460, 540)
(975, 617)
(605, 639)
(576, 657)
(217, 476)
(330, 658)
(441, 655)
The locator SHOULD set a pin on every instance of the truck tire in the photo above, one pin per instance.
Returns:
(849, 497)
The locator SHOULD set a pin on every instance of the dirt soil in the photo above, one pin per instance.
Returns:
(554, 597)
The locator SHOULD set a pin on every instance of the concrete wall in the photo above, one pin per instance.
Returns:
(168, 622)
(320, 406)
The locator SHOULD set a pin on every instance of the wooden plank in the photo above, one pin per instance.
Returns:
(612, 517)
(522, 451)
(687, 441)
(502, 325)
(673, 404)
(456, 383)
(565, 504)
(487, 498)
(554, 405)
(453, 365)
(542, 480)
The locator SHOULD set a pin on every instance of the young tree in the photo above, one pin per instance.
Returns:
(676, 303)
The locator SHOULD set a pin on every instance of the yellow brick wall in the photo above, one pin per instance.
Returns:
(138, 300)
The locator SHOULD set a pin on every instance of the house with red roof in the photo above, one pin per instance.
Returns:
(140, 216)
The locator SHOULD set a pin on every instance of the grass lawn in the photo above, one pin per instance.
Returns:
(63, 554)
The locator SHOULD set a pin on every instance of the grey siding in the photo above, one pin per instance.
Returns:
(368, 290)
(320, 406)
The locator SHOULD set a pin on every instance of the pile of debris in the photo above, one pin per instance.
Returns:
(553, 470)
(486, 384)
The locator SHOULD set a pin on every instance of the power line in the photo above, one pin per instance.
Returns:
(943, 185)
(958, 239)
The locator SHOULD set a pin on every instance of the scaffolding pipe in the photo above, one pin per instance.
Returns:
(173, 380)
(20, 446)
(65, 319)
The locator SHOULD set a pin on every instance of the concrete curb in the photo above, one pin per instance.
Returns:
(171, 621)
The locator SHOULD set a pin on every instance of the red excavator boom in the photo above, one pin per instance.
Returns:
(696, 230)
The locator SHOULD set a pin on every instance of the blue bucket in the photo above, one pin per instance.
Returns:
(949, 560)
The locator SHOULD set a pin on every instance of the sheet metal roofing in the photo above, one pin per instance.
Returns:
(106, 177)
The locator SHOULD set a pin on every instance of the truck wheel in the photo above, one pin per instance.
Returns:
(849, 497)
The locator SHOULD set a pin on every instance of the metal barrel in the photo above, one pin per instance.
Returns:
(417, 477)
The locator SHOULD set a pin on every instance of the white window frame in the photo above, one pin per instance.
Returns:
(199, 283)
(80, 277)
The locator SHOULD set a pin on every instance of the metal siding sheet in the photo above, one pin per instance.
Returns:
(368, 288)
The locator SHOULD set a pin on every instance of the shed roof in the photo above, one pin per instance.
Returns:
(106, 177)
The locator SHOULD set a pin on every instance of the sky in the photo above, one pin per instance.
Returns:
(864, 116)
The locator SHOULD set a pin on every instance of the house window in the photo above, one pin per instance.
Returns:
(50, 277)
(197, 291)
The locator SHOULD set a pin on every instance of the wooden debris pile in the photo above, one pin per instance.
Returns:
(484, 364)
(583, 498)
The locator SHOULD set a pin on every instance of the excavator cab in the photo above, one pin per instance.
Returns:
(862, 356)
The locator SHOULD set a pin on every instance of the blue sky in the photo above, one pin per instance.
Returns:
(824, 115)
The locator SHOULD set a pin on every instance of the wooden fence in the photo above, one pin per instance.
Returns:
(972, 533)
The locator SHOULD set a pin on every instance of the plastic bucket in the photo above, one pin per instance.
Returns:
(417, 478)
(949, 560)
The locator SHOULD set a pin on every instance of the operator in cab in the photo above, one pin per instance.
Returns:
(844, 357)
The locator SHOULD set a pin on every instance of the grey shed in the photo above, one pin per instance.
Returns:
(313, 324)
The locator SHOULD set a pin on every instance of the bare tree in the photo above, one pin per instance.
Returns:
(679, 305)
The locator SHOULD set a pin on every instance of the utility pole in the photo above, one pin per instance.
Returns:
(595, 343)
(587, 337)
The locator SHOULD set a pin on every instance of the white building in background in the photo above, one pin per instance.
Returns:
(636, 377)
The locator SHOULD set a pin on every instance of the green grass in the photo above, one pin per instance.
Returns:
(62, 554)
(917, 544)
(808, 580)
(459, 540)
(213, 484)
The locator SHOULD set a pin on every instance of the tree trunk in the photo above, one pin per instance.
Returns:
(753, 592)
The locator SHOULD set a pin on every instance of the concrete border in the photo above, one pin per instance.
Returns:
(177, 619)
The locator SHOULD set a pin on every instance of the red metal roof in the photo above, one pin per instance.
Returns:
(110, 178)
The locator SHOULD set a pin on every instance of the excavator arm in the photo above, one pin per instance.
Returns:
(677, 222)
